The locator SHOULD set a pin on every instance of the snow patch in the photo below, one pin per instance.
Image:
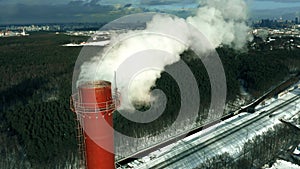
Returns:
(281, 164)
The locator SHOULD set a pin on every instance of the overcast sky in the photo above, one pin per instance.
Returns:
(37, 11)
(148, 2)
(254, 4)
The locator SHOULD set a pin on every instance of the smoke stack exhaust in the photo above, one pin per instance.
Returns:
(94, 106)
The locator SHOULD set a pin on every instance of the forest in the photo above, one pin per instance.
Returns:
(35, 87)
(261, 150)
(38, 130)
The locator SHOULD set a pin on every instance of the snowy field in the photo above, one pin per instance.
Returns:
(281, 164)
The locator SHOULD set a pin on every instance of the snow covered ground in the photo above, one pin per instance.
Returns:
(239, 129)
(99, 43)
(281, 164)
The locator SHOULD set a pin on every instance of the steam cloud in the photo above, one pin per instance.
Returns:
(221, 21)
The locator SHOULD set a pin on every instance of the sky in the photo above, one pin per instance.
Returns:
(51, 11)
(261, 4)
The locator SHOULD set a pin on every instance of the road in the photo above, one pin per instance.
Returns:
(228, 136)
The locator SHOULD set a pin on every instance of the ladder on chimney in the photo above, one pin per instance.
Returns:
(81, 143)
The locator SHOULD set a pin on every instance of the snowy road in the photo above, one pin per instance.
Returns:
(228, 136)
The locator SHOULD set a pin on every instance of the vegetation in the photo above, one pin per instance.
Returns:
(263, 149)
(259, 70)
(35, 86)
(43, 127)
(36, 126)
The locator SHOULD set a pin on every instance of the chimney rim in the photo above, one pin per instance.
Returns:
(95, 84)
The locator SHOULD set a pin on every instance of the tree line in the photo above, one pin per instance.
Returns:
(36, 79)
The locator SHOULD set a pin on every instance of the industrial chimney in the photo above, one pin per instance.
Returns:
(94, 107)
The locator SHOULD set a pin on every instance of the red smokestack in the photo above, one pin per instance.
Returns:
(94, 105)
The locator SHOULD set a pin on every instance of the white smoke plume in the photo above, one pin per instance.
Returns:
(221, 21)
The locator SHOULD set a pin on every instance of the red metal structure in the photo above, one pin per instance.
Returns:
(94, 106)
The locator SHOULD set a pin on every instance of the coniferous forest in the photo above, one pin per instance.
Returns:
(37, 129)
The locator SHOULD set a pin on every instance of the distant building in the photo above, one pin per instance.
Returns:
(296, 20)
